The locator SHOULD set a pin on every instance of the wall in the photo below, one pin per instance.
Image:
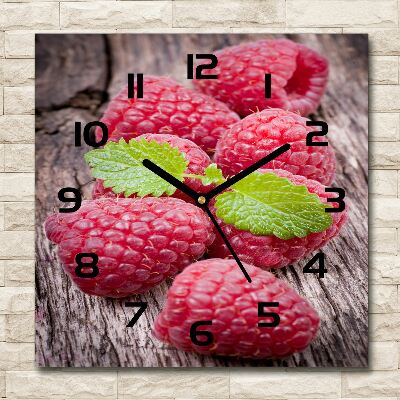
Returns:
(18, 23)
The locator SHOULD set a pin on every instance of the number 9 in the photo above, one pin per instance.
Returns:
(77, 199)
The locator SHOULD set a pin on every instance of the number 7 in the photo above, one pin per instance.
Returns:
(142, 307)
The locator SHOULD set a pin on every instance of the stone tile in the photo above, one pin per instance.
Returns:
(1, 157)
(153, 383)
(384, 127)
(384, 70)
(1, 44)
(2, 384)
(17, 244)
(19, 100)
(1, 216)
(228, 13)
(17, 356)
(383, 356)
(341, 13)
(385, 155)
(19, 157)
(18, 72)
(19, 216)
(16, 300)
(384, 240)
(19, 272)
(2, 274)
(35, 15)
(104, 14)
(268, 384)
(384, 269)
(383, 183)
(23, 124)
(20, 328)
(384, 212)
(62, 384)
(384, 327)
(19, 44)
(384, 98)
(369, 384)
(17, 187)
(383, 299)
(2, 327)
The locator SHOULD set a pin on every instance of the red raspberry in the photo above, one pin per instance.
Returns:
(270, 251)
(197, 158)
(139, 242)
(260, 133)
(298, 77)
(216, 290)
(168, 107)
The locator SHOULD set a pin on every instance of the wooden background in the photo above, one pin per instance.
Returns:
(75, 77)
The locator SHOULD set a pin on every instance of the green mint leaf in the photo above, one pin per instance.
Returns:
(266, 204)
(120, 166)
(212, 175)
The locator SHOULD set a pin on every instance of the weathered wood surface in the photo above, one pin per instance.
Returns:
(76, 75)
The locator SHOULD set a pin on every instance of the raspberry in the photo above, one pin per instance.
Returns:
(198, 161)
(298, 76)
(139, 242)
(270, 251)
(260, 133)
(168, 107)
(216, 290)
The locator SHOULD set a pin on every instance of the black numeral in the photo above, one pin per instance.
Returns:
(77, 199)
(194, 333)
(341, 194)
(262, 313)
(267, 82)
(131, 86)
(87, 137)
(321, 270)
(79, 270)
(199, 68)
(142, 307)
(324, 130)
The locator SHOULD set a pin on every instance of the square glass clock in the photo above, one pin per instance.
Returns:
(201, 200)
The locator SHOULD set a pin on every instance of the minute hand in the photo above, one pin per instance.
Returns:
(170, 179)
(220, 188)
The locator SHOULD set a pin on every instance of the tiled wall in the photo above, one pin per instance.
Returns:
(19, 20)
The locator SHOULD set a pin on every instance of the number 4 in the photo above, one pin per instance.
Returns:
(321, 270)
(142, 307)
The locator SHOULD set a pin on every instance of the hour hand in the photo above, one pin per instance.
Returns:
(170, 179)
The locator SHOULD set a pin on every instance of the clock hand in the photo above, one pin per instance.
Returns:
(228, 245)
(171, 179)
(194, 195)
(247, 171)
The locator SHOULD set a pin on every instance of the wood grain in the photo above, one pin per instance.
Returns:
(76, 75)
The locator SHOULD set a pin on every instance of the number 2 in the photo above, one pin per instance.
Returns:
(322, 132)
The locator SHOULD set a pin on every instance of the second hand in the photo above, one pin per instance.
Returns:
(228, 245)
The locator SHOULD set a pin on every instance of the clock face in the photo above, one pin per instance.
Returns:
(201, 200)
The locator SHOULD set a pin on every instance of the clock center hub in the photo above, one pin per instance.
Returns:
(201, 200)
